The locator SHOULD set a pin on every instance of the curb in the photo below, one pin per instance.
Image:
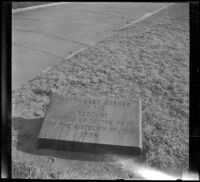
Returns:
(137, 21)
(37, 6)
(109, 35)
(68, 57)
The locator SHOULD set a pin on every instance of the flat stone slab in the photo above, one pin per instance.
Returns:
(92, 124)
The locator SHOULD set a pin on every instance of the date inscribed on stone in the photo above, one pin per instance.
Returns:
(92, 124)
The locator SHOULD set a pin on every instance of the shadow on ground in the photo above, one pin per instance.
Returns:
(27, 132)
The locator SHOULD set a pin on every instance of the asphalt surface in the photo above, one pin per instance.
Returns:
(44, 37)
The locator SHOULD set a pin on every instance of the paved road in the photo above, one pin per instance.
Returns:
(43, 37)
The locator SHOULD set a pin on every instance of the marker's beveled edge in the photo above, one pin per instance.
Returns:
(48, 108)
(44, 143)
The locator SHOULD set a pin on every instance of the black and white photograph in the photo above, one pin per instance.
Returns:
(100, 90)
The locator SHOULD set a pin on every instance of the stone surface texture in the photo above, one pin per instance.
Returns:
(92, 120)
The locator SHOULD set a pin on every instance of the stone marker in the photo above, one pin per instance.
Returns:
(92, 124)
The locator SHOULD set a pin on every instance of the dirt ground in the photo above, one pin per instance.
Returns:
(149, 60)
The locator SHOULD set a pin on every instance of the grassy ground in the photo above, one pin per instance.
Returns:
(149, 60)
(16, 5)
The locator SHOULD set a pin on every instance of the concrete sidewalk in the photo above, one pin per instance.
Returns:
(44, 37)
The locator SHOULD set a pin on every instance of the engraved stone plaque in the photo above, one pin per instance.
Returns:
(92, 124)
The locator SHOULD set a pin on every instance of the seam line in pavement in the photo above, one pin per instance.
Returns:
(99, 13)
(54, 36)
(132, 23)
(70, 22)
(39, 50)
(37, 6)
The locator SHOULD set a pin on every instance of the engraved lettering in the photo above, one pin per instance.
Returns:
(92, 120)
